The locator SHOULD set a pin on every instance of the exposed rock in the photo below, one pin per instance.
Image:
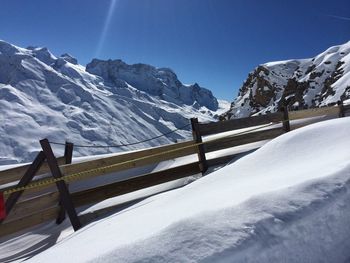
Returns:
(44, 96)
(161, 82)
(67, 57)
(304, 83)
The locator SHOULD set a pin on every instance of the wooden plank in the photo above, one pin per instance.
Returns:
(25, 180)
(227, 158)
(61, 185)
(145, 156)
(131, 160)
(83, 166)
(228, 142)
(92, 216)
(346, 108)
(32, 205)
(286, 124)
(68, 152)
(220, 160)
(101, 193)
(224, 126)
(309, 113)
(198, 139)
(15, 174)
(30, 193)
(68, 156)
(28, 221)
(15, 224)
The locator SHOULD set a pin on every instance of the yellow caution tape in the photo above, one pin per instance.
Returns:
(68, 178)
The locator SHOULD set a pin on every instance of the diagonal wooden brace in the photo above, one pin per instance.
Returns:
(61, 185)
(25, 180)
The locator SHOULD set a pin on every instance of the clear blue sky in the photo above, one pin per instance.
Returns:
(215, 43)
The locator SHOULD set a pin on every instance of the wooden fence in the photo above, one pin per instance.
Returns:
(36, 193)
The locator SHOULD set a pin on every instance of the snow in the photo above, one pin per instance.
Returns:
(287, 201)
(313, 76)
(108, 102)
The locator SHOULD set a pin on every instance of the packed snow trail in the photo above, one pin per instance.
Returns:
(288, 202)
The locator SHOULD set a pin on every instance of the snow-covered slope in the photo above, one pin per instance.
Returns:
(110, 102)
(292, 205)
(161, 82)
(302, 83)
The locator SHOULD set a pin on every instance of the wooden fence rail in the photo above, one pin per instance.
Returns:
(15, 174)
(38, 205)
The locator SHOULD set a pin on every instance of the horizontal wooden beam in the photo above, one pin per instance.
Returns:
(235, 124)
(15, 174)
(89, 217)
(346, 107)
(309, 113)
(24, 215)
(220, 160)
(103, 192)
(227, 158)
(29, 221)
(32, 205)
(120, 162)
(130, 160)
(51, 199)
(298, 125)
(31, 193)
(233, 141)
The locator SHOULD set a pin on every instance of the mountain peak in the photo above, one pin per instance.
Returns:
(160, 82)
(69, 58)
(7, 48)
(312, 82)
(106, 102)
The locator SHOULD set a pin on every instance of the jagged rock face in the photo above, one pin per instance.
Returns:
(304, 83)
(161, 82)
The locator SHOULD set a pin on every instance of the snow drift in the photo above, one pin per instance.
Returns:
(288, 201)
(110, 102)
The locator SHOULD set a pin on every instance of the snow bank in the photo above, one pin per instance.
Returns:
(288, 201)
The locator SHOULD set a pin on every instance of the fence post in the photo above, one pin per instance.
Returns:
(286, 124)
(197, 137)
(68, 152)
(61, 185)
(68, 155)
(341, 109)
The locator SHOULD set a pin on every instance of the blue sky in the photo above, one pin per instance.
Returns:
(215, 43)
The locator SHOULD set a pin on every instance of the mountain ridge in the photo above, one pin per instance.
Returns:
(46, 96)
(297, 83)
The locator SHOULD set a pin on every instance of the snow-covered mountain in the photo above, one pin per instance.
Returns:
(160, 82)
(303, 83)
(108, 102)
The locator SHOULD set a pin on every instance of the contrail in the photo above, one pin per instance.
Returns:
(340, 17)
(105, 27)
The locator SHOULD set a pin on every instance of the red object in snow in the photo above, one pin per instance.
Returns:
(2, 206)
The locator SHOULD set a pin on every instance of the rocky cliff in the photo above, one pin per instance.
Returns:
(299, 83)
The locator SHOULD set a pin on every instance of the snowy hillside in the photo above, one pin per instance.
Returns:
(109, 102)
(287, 207)
(302, 83)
